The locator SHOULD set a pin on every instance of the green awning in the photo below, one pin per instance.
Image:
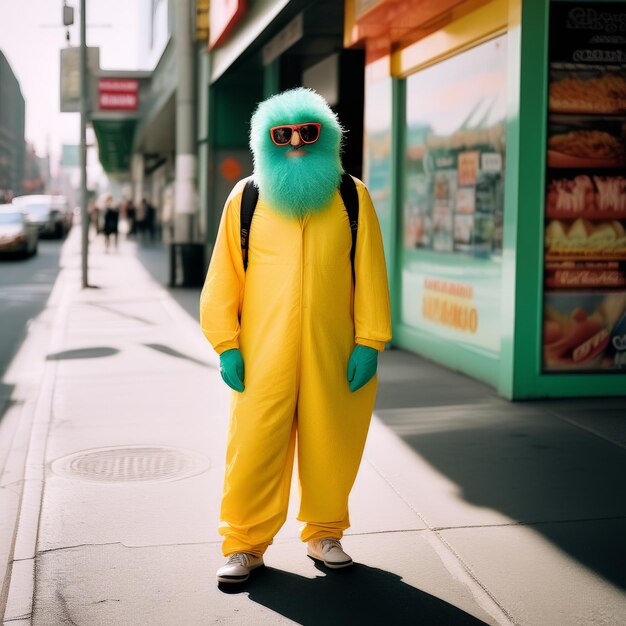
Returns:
(115, 143)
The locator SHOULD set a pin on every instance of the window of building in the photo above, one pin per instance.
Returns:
(455, 153)
(451, 270)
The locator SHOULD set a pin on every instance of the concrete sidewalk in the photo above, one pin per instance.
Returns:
(467, 509)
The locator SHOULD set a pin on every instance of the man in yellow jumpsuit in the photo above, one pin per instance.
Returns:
(298, 339)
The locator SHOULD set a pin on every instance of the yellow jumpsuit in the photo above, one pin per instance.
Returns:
(296, 318)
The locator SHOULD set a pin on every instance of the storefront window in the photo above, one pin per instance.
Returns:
(377, 149)
(456, 123)
(454, 199)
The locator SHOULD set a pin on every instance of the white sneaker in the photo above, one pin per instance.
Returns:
(238, 567)
(329, 551)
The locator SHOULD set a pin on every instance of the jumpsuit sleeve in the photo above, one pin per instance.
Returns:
(372, 317)
(222, 294)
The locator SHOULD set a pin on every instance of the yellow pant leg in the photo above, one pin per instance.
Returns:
(259, 464)
(261, 435)
(332, 429)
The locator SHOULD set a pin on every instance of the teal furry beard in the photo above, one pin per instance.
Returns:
(305, 183)
(297, 185)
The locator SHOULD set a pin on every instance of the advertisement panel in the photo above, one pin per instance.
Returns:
(454, 197)
(459, 304)
(585, 206)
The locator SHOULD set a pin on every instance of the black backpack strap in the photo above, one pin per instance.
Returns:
(249, 198)
(350, 198)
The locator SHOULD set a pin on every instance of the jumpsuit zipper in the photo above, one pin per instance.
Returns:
(302, 259)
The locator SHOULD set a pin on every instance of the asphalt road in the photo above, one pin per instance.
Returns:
(25, 285)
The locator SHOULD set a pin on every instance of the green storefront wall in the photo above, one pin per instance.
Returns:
(513, 366)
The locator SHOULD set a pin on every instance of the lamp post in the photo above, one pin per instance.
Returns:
(84, 215)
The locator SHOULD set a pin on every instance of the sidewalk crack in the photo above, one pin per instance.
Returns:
(393, 487)
(120, 543)
(18, 618)
(443, 543)
(588, 429)
(475, 579)
(80, 545)
(532, 523)
(66, 608)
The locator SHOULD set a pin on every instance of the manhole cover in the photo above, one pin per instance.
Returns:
(131, 464)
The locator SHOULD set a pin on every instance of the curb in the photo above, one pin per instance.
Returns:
(21, 578)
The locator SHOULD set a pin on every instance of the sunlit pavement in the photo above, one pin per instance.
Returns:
(467, 509)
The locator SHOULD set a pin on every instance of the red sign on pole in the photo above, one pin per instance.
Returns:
(118, 94)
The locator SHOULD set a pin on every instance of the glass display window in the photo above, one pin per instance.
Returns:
(451, 252)
(455, 153)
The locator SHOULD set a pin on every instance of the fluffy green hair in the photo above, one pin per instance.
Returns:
(296, 186)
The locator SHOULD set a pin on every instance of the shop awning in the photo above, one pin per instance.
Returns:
(115, 143)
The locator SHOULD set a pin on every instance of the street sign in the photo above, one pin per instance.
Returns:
(70, 76)
(118, 94)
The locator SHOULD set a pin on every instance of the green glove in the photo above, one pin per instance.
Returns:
(362, 366)
(231, 369)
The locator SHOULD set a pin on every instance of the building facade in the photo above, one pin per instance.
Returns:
(12, 119)
(504, 226)
(492, 137)
(256, 50)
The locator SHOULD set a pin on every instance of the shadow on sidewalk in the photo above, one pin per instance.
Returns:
(176, 354)
(82, 353)
(155, 259)
(360, 595)
(523, 459)
(408, 381)
(110, 309)
(6, 400)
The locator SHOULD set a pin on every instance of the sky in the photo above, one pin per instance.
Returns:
(31, 37)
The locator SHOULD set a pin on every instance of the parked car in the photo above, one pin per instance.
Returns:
(61, 203)
(17, 234)
(46, 213)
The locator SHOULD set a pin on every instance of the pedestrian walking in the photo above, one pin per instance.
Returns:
(148, 226)
(131, 216)
(296, 304)
(111, 223)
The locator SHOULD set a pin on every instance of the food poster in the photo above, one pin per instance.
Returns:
(584, 331)
(585, 206)
(455, 148)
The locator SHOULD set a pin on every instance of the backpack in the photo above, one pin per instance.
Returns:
(349, 195)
